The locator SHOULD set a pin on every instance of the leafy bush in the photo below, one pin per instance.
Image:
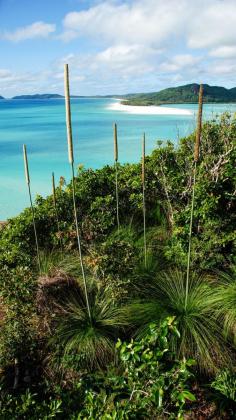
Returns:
(224, 386)
(150, 386)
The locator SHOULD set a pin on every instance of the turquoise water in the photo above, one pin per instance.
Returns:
(41, 126)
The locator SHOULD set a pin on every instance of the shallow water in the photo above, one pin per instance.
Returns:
(40, 124)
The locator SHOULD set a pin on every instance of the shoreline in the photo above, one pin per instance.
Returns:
(148, 109)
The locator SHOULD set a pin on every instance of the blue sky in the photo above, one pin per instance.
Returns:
(115, 46)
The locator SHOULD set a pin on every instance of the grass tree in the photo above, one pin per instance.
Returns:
(196, 159)
(201, 332)
(27, 177)
(116, 172)
(93, 339)
(71, 161)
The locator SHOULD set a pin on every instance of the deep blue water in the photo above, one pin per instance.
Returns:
(40, 124)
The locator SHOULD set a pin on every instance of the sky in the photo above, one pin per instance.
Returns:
(115, 46)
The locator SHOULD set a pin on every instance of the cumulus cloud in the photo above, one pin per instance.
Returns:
(35, 30)
(179, 62)
(224, 52)
(139, 37)
(214, 25)
(139, 45)
(203, 23)
(143, 21)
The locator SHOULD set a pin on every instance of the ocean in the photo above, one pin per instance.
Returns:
(40, 124)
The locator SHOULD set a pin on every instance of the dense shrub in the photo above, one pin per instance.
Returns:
(116, 262)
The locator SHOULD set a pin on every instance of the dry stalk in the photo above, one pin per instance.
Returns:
(71, 161)
(196, 159)
(27, 177)
(116, 171)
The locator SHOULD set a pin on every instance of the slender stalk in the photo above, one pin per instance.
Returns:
(27, 177)
(71, 161)
(55, 207)
(116, 171)
(17, 374)
(196, 159)
(144, 202)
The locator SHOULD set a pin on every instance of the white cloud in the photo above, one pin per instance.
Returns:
(137, 45)
(179, 62)
(141, 21)
(224, 52)
(4, 74)
(201, 24)
(214, 25)
(146, 40)
(35, 30)
(225, 68)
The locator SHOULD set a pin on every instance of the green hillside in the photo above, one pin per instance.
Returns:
(39, 96)
(182, 94)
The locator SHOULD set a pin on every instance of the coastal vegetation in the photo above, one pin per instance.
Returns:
(172, 95)
(118, 291)
(182, 94)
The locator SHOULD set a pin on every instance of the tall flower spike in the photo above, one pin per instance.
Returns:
(27, 177)
(71, 160)
(68, 114)
(199, 125)
(196, 158)
(143, 160)
(116, 174)
(53, 189)
(144, 203)
(115, 143)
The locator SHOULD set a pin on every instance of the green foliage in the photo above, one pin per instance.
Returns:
(201, 334)
(224, 387)
(226, 299)
(150, 385)
(113, 262)
(92, 341)
(168, 193)
(17, 333)
(28, 406)
(225, 382)
(183, 94)
(206, 324)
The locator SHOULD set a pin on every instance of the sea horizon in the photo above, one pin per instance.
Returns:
(40, 124)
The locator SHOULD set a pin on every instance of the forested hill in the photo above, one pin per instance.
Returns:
(39, 96)
(182, 94)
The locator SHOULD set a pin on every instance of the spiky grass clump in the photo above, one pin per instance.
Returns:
(57, 263)
(226, 298)
(201, 334)
(92, 338)
(58, 278)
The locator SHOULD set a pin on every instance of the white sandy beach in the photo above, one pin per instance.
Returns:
(148, 110)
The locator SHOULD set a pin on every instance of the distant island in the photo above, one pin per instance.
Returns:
(57, 96)
(175, 95)
(182, 94)
(39, 96)
(43, 96)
